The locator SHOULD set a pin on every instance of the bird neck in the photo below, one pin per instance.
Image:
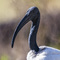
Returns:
(32, 36)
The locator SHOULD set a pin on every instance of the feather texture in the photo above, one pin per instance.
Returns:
(47, 53)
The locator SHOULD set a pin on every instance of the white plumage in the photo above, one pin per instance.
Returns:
(48, 53)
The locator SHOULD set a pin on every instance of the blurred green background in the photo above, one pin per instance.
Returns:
(12, 11)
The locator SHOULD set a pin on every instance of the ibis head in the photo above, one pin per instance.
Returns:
(31, 15)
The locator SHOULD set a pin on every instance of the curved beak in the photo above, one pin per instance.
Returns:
(31, 14)
(20, 25)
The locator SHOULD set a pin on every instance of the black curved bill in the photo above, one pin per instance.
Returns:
(20, 25)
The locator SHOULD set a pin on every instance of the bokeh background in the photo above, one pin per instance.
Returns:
(12, 11)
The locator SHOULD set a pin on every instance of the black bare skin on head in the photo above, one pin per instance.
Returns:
(34, 16)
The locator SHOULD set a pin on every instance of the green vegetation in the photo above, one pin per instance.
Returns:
(4, 57)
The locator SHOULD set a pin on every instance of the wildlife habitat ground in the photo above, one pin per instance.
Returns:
(12, 11)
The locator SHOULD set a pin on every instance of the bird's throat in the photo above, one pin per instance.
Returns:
(32, 36)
